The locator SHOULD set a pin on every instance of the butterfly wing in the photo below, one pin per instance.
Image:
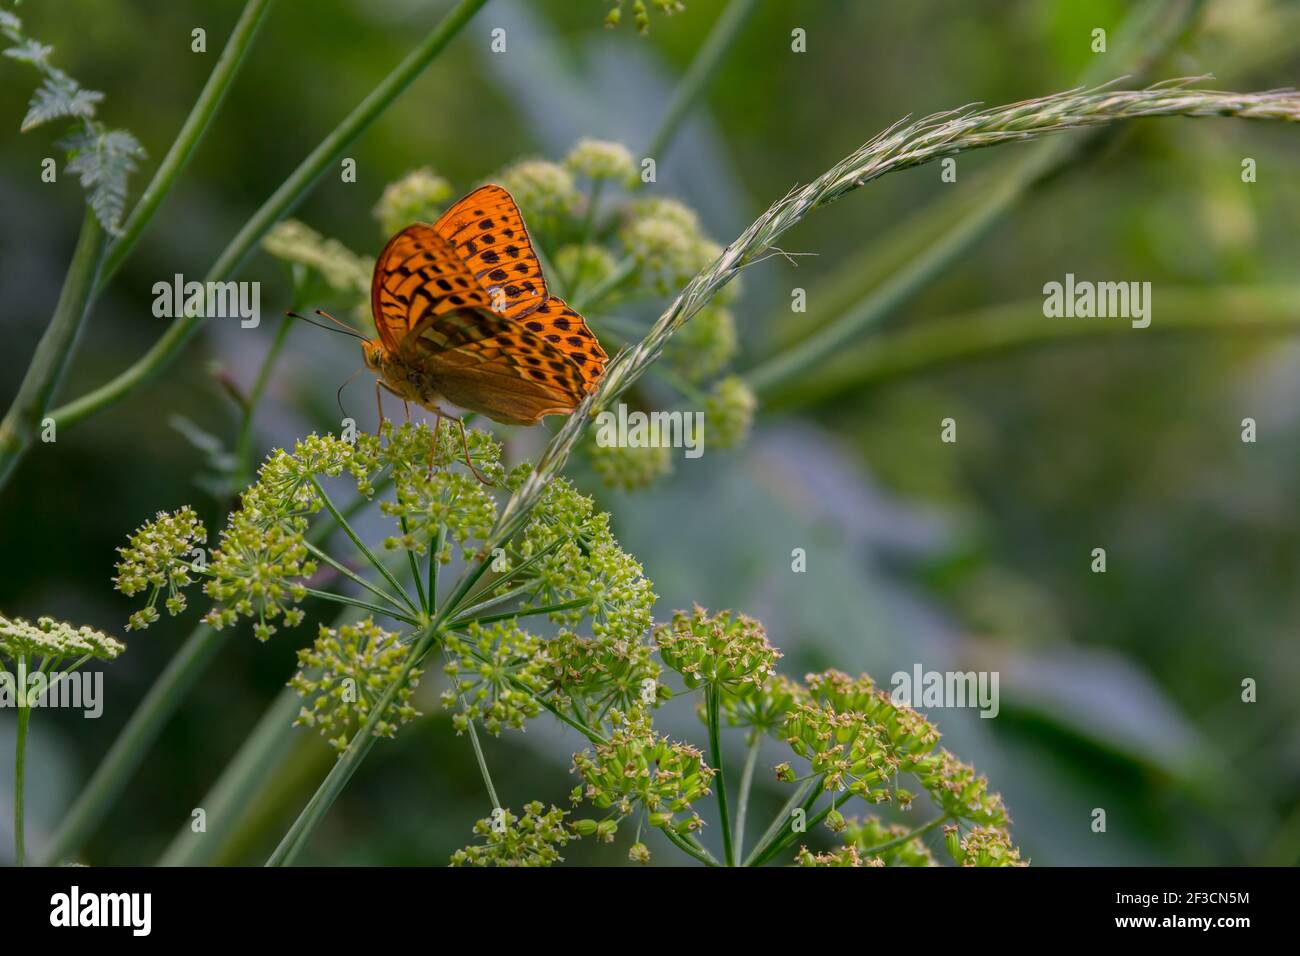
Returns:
(488, 234)
(419, 275)
(507, 370)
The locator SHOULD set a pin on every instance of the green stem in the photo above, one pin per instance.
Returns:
(349, 760)
(434, 547)
(529, 612)
(24, 715)
(746, 784)
(780, 821)
(365, 550)
(364, 605)
(900, 840)
(133, 742)
(698, 852)
(24, 420)
(178, 156)
(712, 705)
(355, 578)
(700, 72)
(483, 767)
(277, 206)
(787, 834)
(1002, 329)
(416, 575)
(244, 443)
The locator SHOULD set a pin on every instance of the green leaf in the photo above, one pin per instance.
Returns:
(103, 160)
(57, 97)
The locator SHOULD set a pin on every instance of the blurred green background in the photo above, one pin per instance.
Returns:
(1119, 691)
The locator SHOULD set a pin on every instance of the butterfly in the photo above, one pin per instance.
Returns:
(463, 314)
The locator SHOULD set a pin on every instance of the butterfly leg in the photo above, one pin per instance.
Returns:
(464, 442)
(406, 407)
(379, 403)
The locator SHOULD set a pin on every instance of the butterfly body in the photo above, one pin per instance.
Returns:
(463, 315)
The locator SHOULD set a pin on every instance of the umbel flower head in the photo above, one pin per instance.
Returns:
(417, 197)
(535, 839)
(544, 190)
(158, 559)
(55, 641)
(338, 266)
(982, 846)
(496, 672)
(726, 650)
(629, 467)
(638, 768)
(343, 676)
(729, 412)
(866, 835)
(596, 672)
(600, 159)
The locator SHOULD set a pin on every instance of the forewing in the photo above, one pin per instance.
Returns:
(487, 232)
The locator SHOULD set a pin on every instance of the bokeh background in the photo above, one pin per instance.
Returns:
(1119, 690)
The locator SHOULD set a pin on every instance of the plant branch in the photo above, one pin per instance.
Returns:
(191, 133)
(290, 193)
(24, 420)
(712, 710)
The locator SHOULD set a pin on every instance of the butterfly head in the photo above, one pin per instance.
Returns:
(373, 351)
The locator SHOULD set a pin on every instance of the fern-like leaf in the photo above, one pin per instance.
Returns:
(104, 159)
(57, 97)
(31, 51)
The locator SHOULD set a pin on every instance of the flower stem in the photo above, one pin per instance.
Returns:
(123, 758)
(364, 549)
(746, 784)
(393, 603)
(911, 835)
(699, 853)
(276, 207)
(26, 415)
(712, 708)
(178, 156)
(780, 821)
(24, 715)
(700, 72)
(483, 767)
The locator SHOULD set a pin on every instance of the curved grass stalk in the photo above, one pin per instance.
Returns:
(899, 265)
(279, 204)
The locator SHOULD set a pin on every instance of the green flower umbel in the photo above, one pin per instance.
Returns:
(345, 675)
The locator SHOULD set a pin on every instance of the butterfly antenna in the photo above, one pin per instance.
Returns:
(341, 324)
(338, 396)
(328, 328)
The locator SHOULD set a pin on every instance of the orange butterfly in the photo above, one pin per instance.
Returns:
(463, 314)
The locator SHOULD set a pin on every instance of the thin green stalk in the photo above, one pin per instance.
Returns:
(786, 835)
(415, 574)
(434, 548)
(527, 612)
(698, 852)
(746, 783)
(355, 578)
(349, 760)
(133, 742)
(191, 133)
(290, 193)
(365, 549)
(483, 767)
(20, 760)
(364, 605)
(900, 840)
(700, 72)
(920, 348)
(244, 443)
(712, 706)
(23, 422)
(780, 821)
